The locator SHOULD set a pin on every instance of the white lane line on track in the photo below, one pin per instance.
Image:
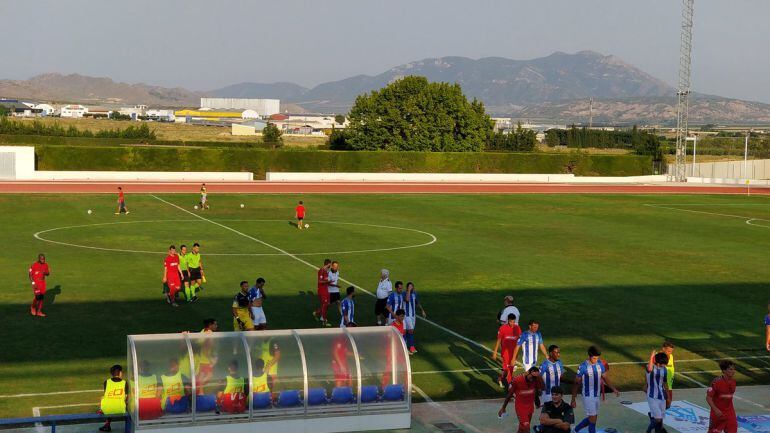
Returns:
(301, 260)
(432, 240)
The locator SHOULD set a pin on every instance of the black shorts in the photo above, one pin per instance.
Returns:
(300, 218)
(334, 297)
(185, 276)
(379, 307)
(195, 274)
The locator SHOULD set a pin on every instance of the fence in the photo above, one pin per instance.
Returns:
(755, 169)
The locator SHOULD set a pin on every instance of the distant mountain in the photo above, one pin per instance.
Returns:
(282, 91)
(96, 90)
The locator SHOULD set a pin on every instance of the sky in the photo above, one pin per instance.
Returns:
(205, 45)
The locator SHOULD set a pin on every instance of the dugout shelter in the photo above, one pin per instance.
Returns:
(319, 380)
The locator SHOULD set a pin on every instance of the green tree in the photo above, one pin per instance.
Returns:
(3, 111)
(413, 114)
(272, 136)
(338, 140)
(339, 119)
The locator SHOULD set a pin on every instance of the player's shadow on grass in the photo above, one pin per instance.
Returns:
(50, 295)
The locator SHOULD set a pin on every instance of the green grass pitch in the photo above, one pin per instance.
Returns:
(608, 270)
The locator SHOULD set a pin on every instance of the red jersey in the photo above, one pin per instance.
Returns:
(524, 392)
(509, 336)
(323, 279)
(172, 266)
(120, 196)
(721, 392)
(340, 350)
(300, 210)
(39, 271)
(399, 327)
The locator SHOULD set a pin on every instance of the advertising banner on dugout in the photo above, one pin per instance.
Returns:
(754, 423)
(687, 417)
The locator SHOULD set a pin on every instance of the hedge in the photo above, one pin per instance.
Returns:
(33, 140)
(260, 161)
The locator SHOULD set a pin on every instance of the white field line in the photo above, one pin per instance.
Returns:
(38, 394)
(59, 406)
(301, 260)
(704, 212)
(38, 425)
(432, 240)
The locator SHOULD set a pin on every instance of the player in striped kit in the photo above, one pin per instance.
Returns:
(395, 302)
(657, 392)
(589, 380)
(411, 303)
(348, 309)
(551, 370)
(529, 342)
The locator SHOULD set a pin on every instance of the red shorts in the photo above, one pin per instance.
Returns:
(727, 424)
(173, 283)
(323, 295)
(39, 287)
(234, 403)
(149, 408)
(525, 417)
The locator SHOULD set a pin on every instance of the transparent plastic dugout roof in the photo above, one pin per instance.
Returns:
(225, 377)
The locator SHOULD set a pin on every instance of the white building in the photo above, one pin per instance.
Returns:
(45, 109)
(250, 114)
(161, 115)
(135, 112)
(265, 107)
(73, 110)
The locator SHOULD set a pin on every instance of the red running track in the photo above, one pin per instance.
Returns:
(263, 187)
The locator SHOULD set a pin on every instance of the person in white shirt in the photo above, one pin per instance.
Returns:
(334, 287)
(508, 308)
(383, 291)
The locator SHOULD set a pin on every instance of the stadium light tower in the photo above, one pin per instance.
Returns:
(683, 91)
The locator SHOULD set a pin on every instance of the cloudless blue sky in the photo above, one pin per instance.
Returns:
(204, 45)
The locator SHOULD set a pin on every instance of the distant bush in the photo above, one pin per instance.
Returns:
(12, 127)
(518, 140)
(271, 136)
(338, 140)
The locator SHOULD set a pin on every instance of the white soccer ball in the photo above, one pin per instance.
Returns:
(195, 207)
(307, 226)
(243, 205)
(89, 211)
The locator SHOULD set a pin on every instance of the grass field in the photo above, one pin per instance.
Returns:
(609, 270)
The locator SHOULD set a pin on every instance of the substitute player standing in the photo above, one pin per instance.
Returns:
(507, 337)
(551, 370)
(411, 303)
(524, 389)
(121, 202)
(656, 388)
(300, 214)
(589, 379)
(334, 285)
(719, 396)
(530, 341)
(172, 276)
(322, 278)
(37, 274)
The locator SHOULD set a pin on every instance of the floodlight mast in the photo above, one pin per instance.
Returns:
(683, 91)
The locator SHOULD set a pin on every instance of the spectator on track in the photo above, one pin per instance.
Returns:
(383, 291)
(508, 308)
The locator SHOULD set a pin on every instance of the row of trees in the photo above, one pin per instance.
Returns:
(12, 127)
(641, 142)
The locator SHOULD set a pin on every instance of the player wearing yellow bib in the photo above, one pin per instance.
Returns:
(668, 349)
(259, 380)
(115, 394)
(233, 398)
(149, 391)
(206, 359)
(175, 389)
(270, 356)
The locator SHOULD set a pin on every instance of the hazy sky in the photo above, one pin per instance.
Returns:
(204, 45)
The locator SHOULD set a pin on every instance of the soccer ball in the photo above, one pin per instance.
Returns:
(195, 207)
(243, 205)
(307, 226)
(89, 211)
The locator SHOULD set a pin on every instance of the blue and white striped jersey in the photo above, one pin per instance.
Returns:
(410, 304)
(395, 302)
(591, 374)
(348, 311)
(655, 382)
(529, 342)
(551, 373)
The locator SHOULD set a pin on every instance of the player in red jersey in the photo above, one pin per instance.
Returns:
(507, 337)
(300, 211)
(172, 275)
(340, 365)
(399, 322)
(37, 273)
(525, 390)
(121, 202)
(719, 396)
(323, 292)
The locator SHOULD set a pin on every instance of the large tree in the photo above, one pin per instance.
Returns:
(413, 114)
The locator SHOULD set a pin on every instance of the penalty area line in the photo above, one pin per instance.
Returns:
(301, 260)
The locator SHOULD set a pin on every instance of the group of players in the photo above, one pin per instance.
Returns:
(542, 385)
(183, 271)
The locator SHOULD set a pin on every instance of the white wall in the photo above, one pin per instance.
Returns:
(160, 176)
(265, 107)
(24, 164)
(754, 169)
(456, 177)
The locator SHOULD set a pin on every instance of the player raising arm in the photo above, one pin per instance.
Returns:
(37, 274)
(656, 388)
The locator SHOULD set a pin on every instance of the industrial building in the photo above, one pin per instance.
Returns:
(252, 127)
(264, 107)
(73, 111)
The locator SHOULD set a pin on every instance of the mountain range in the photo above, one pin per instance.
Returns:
(556, 87)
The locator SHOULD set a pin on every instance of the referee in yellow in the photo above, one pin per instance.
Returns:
(115, 395)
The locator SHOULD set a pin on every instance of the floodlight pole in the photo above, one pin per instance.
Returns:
(683, 91)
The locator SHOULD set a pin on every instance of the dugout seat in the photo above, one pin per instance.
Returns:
(316, 396)
(177, 406)
(205, 403)
(369, 393)
(289, 398)
(343, 395)
(261, 400)
(393, 392)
